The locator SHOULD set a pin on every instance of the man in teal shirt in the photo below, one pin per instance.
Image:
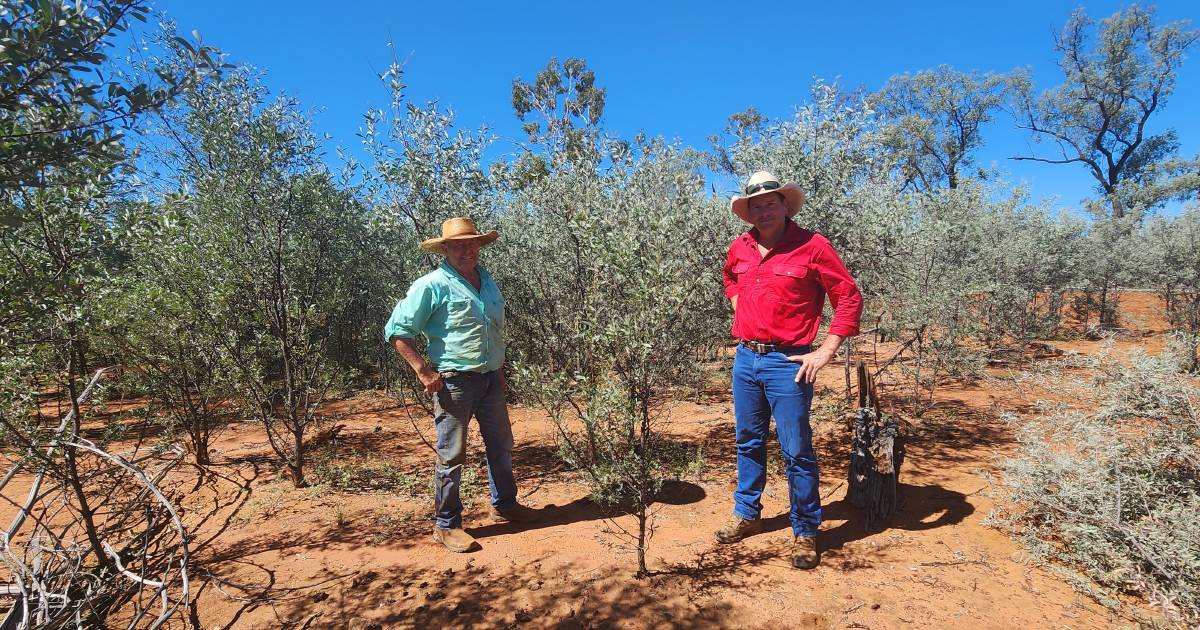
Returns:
(458, 309)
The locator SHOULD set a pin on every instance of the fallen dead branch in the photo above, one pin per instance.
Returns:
(139, 576)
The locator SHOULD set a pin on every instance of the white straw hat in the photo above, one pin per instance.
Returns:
(762, 183)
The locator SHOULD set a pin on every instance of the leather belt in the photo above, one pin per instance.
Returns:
(759, 347)
(457, 373)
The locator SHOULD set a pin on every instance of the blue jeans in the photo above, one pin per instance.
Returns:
(461, 397)
(765, 385)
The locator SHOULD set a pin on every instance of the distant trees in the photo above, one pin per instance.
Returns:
(560, 111)
(1098, 117)
(933, 122)
(1172, 254)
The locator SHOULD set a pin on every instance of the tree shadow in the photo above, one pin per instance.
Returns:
(495, 597)
(723, 568)
(953, 433)
(921, 508)
(673, 492)
(210, 481)
(255, 592)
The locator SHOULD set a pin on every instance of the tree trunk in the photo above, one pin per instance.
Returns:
(297, 464)
(72, 475)
(876, 455)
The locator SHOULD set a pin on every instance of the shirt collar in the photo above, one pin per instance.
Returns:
(450, 271)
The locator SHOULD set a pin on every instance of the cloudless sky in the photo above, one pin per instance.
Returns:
(676, 69)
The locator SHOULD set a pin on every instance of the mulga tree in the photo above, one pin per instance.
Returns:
(173, 324)
(59, 102)
(55, 268)
(1116, 76)
(628, 285)
(61, 122)
(1173, 254)
(1029, 261)
(284, 236)
(830, 147)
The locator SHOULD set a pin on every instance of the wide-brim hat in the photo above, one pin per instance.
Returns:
(762, 183)
(458, 229)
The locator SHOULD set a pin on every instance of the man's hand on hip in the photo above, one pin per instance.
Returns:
(408, 349)
(810, 363)
(430, 379)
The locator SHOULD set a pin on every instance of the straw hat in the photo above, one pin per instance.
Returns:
(458, 229)
(762, 183)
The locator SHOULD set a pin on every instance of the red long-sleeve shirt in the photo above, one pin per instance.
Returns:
(780, 296)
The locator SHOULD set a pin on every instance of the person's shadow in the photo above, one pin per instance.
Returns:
(921, 508)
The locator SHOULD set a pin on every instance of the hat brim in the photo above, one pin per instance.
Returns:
(434, 245)
(792, 194)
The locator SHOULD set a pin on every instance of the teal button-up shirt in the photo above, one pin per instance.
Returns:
(463, 328)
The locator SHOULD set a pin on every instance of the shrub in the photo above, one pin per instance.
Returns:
(1111, 488)
(612, 281)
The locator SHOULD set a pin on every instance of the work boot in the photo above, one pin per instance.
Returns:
(516, 513)
(455, 540)
(737, 529)
(804, 552)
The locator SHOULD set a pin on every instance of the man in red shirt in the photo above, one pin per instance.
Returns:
(777, 276)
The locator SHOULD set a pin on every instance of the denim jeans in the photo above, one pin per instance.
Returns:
(765, 385)
(461, 397)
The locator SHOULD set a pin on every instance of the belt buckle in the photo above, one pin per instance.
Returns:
(759, 347)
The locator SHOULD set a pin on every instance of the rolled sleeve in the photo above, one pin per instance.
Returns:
(843, 293)
(730, 278)
(411, 314)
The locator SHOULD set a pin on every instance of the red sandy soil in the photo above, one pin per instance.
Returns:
(267, 555)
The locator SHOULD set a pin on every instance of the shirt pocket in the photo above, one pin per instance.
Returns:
(742, 268)
(789, 282)
(460, 312)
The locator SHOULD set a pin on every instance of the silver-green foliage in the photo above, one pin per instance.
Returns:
(1110, 485)
(613, 281)
(1173, 260)
(282, 238)
(174, 326)
(60, 103)
(941, 269)
(934, 123)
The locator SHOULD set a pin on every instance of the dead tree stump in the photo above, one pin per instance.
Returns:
(875, 457)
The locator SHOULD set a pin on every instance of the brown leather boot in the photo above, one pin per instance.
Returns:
(516, 514)
(804, 552)
(738, 528)
(455, 540)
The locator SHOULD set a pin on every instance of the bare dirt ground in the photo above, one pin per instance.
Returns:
(267, 555)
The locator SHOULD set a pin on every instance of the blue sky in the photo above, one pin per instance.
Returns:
(676, 69)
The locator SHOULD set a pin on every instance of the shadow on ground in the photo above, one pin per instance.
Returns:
(584, 509)
(530, 595)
